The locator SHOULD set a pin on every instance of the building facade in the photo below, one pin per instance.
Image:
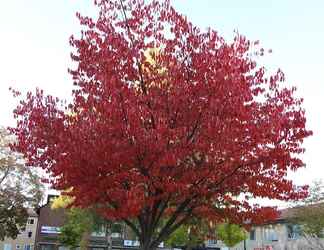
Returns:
(278, 235)
(26, 238)
(48, 229)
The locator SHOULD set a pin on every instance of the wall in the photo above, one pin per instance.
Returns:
(281, 243)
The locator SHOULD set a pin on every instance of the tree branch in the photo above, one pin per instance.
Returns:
(172, 219)
(234, 171)
(164, 233)
(142, 84)
(5, 174)
(132, 226)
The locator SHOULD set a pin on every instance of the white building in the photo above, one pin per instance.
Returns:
(278, 235)
(25, 239)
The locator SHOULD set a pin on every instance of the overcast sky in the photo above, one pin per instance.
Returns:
(34, 50)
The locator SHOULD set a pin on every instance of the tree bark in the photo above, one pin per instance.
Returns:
(108, 236)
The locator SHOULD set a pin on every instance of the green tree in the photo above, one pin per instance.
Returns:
(178, 237)
(20, 188)
(230, 234)
(187, 235)
(75, 232)
(192, 234)
(309, 215)
(81, 223)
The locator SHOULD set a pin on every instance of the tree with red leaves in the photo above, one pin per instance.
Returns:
(167, 123)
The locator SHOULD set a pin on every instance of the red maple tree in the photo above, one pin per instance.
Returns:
(167, 123)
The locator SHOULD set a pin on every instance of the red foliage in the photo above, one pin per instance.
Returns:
(185, 133)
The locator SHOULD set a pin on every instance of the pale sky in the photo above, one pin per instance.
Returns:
(34, 50)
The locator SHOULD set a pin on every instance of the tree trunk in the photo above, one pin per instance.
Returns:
(109, 239)
(146, 245)
(147, 248)
(84, 244)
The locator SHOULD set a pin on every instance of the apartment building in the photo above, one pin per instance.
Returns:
(26, 238)
(280, 234)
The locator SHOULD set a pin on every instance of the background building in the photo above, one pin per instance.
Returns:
(26, 239)
(48, 229)
(280, 234)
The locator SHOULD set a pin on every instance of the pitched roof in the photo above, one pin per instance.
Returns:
(289, 213)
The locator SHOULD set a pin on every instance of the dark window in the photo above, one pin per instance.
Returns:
(252, 234)
(30, 234)
(31, 221)
(294, 231)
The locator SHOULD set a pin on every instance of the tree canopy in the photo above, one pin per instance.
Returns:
(192, 131)
(230, 234)
(20, 189)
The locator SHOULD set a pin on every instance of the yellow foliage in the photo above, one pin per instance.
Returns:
(156, 70)
(62, 201)
(151, 54)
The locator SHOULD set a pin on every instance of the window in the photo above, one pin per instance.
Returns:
(294, 231)
(211, 242)
(50, 230)
(131, 243)
(30, 234)
(7, 247)
(27, 247)
(100, 232)
(30, 221)
(115, 235)
(252, 234)
(270, 234)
